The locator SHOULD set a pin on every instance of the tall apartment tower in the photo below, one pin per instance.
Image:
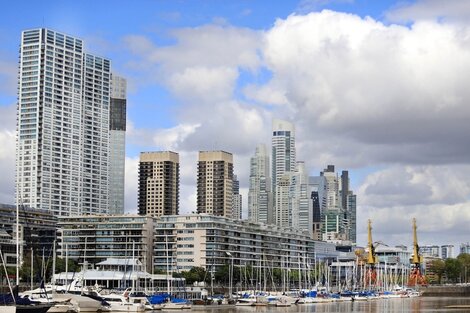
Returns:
(237, 200)
(283, 150)
(62, 148)
(215, 183)
(259, 194)
(117, 144)
(158, 192)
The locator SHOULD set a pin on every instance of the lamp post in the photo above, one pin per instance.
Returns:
(230, 277)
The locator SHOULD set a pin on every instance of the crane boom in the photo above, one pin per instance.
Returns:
(417, 259)
(371, 257)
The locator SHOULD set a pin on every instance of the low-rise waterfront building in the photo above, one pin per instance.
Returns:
(37, 231)
(182, 242)
(93, 238)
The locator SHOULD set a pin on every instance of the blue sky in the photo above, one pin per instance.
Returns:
(375, 87)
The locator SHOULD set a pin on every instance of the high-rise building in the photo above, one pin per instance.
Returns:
(259, 194)
(215, 183)
(62, 149)
(314, 185)
(304, 218)
(447, 251)
(465, 247)
(117, 144)
(283, 150)
(159, 174)
(237, 200)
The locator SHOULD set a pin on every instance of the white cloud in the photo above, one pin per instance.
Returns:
(448, 11)
(132, 182)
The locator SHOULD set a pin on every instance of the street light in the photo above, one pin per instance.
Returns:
(230, 277)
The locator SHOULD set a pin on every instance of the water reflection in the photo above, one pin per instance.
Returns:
(412, 305)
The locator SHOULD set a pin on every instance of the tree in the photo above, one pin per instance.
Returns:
(464, 259)
(438, 267)
(453, 269)
(195, 274)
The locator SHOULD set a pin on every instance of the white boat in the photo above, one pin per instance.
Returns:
(119, 303)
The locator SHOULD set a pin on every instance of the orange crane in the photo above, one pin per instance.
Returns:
(416, 276)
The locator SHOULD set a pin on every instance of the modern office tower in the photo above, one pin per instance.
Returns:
(314, 185)
(283, 150)
(159, 178)
(237, 200)
(447, 251)
(259, 194)
(215, 183)
(329, 189)
(304, 218)
(62, 149)
(344, 189)
(351, 218)
(117, 144)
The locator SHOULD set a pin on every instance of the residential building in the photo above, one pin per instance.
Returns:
(465, 248)
(303, 220)
(117, 144)
(259, 193)
(429, 251)
(158, 192)
(237, 200)
(447, 251)
(215, 183)
(94, 238)
(283, 150)
(62, 150)
(37, 232)
(182, 242)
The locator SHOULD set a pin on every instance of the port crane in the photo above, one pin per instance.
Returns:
(416, 276)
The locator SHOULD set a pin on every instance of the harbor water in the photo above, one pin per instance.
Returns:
(417, 304)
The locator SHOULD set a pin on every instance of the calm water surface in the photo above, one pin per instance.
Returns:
(420, 304)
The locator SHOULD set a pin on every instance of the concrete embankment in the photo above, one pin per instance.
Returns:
(446, 291)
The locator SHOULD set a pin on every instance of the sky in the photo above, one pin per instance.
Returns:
(379, 88)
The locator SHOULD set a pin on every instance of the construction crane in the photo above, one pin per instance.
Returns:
(370, 277)
(416, 276)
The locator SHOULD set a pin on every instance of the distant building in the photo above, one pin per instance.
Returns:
(37, 231)
(465, 248)
(429, 251)
(283, 150)
(237, 200)
(213, 241)
(159, 175)
(314, 184)
(447, 251)
(215, 183)
(94, 238)
(259, 193)
(117, 144)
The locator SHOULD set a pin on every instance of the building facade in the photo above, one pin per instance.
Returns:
(62, 149)
(182, 242)
(117, 144)
(447, 251)
(215, 183)
(158, 191)
(237, 205)
(37, 232)
(259, 193)
(283, 150)
(94, 238)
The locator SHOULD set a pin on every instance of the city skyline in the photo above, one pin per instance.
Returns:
(377, 96)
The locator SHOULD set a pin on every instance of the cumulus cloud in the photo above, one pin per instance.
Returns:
(448, 11)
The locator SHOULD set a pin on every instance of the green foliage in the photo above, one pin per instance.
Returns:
(195, 274)
(453, 270)
(438, 267)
